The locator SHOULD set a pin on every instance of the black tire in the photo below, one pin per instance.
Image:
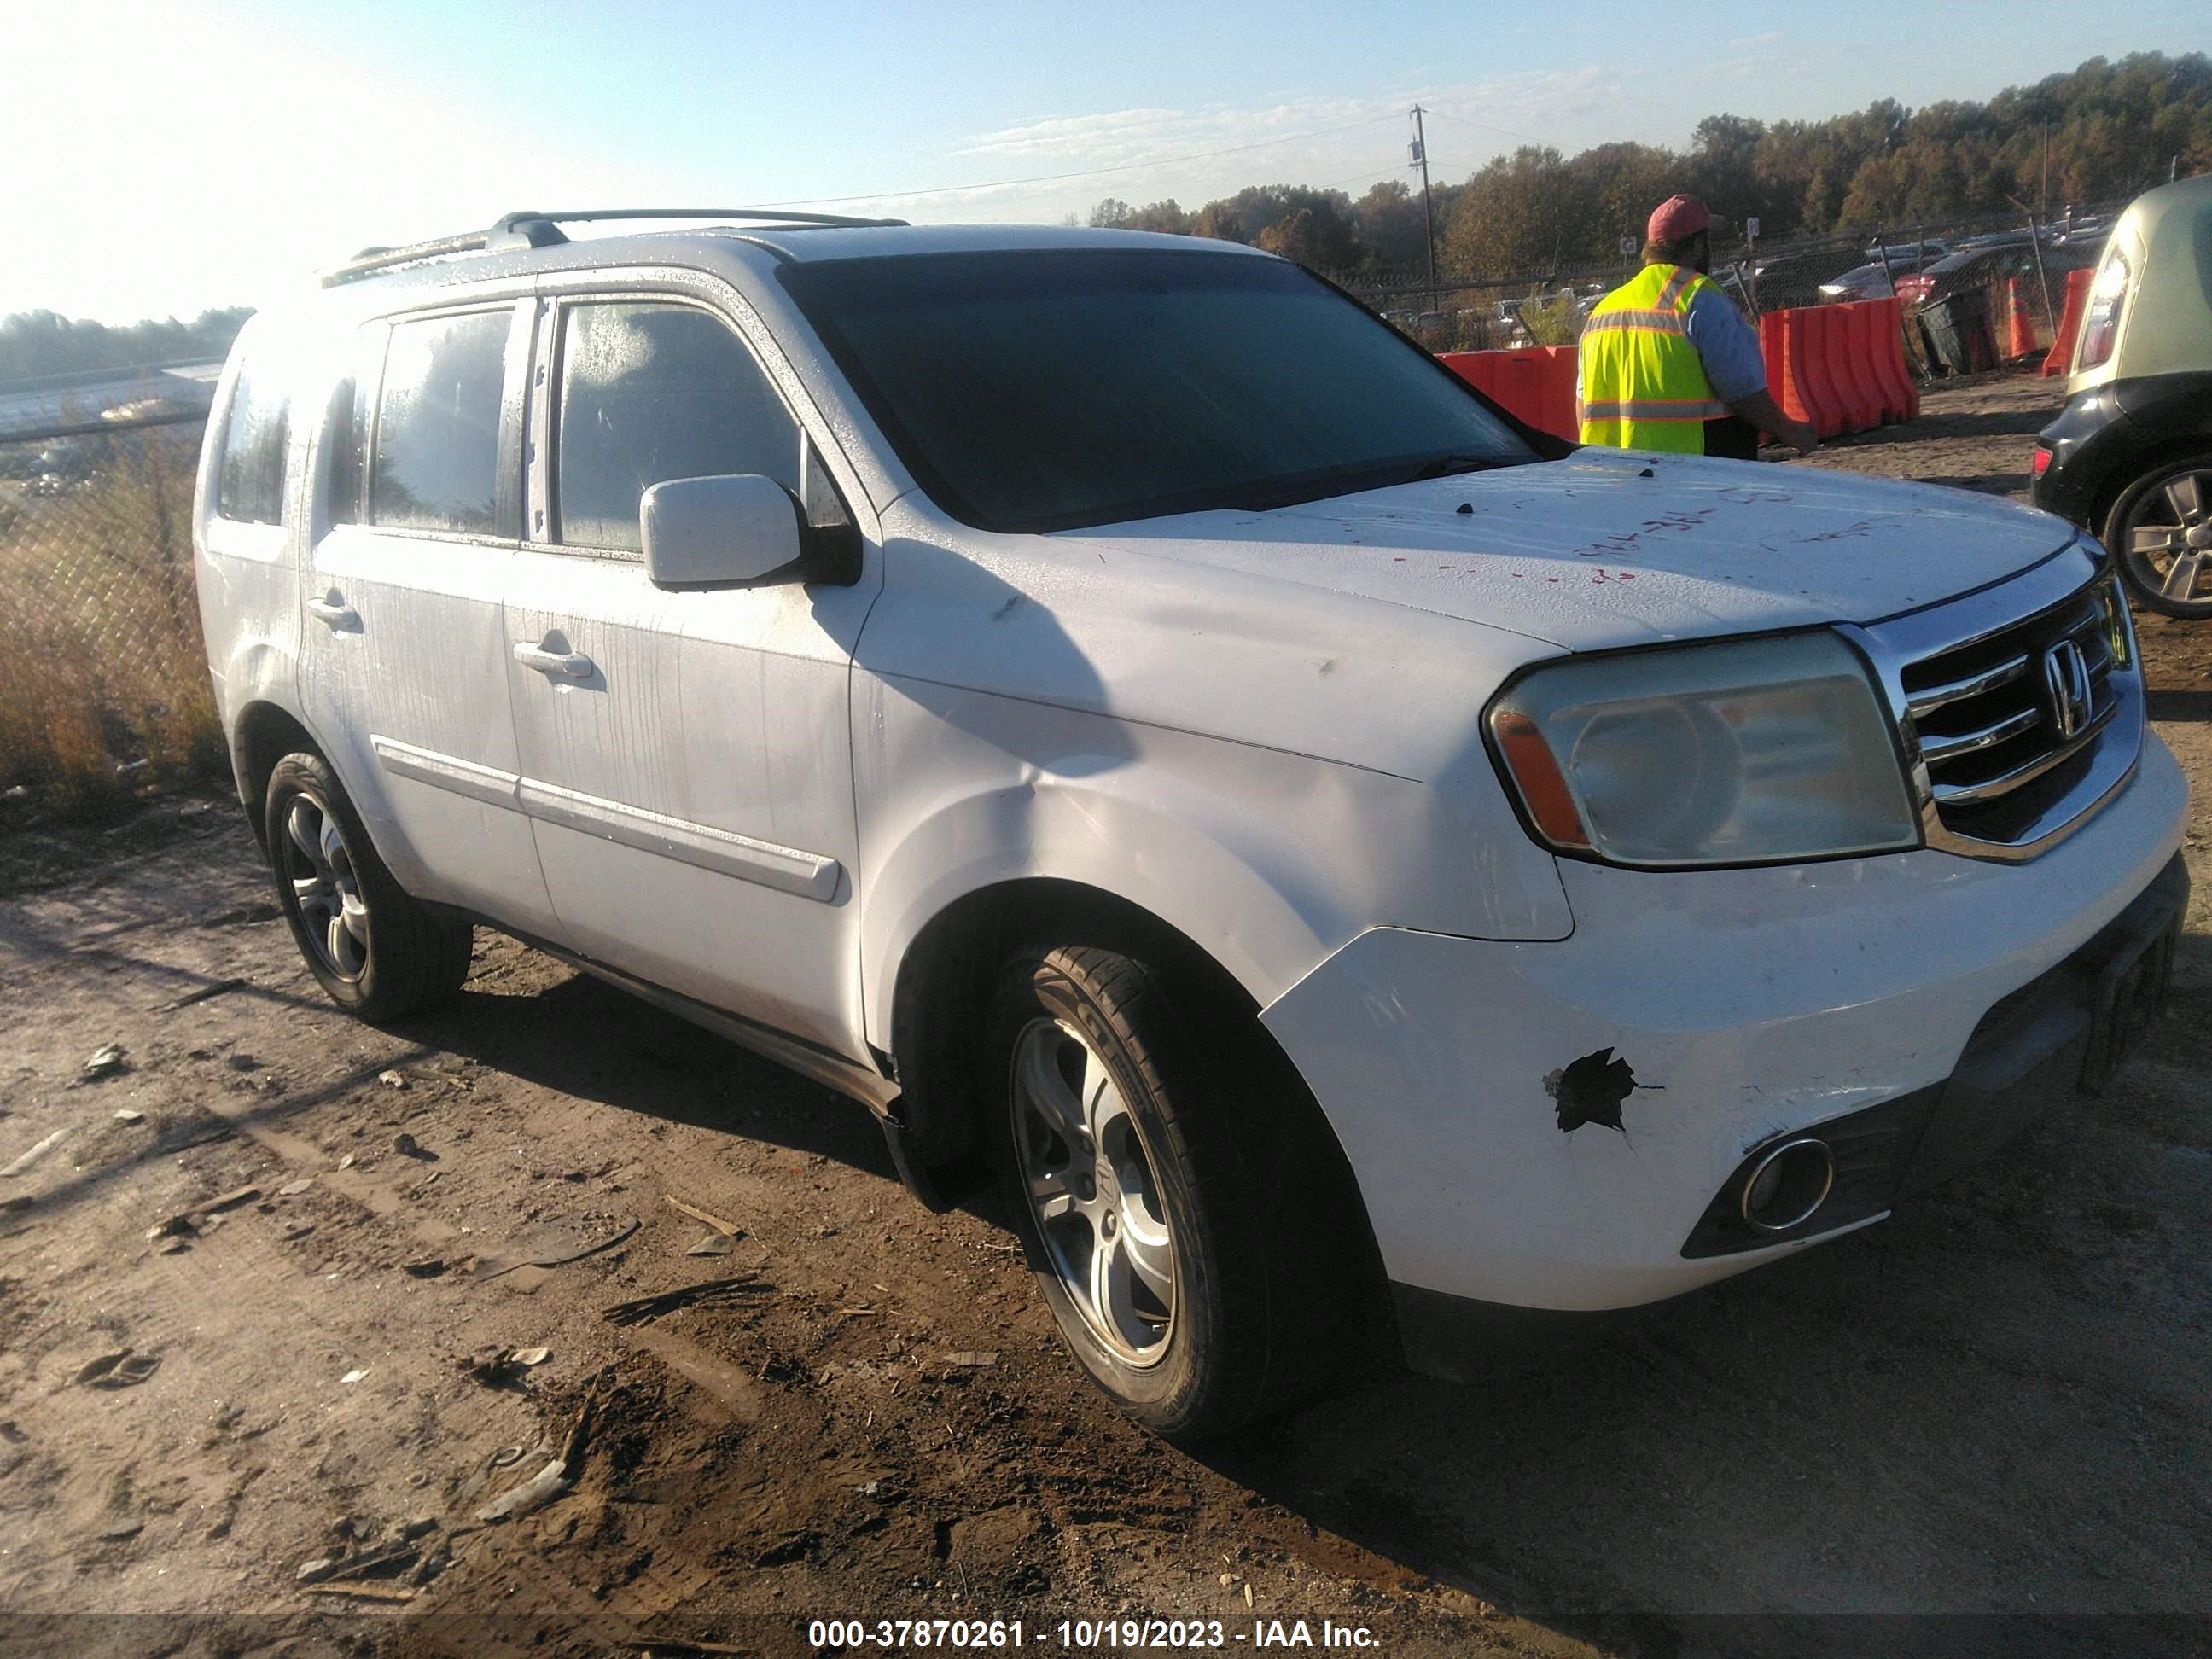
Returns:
(1276, 1283)
(2148, 512)
(397, 956)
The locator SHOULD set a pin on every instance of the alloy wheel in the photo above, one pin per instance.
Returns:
(320, 868)
(1094, 1193)
(2169, 539)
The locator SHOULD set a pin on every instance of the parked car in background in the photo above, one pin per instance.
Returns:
(1365, 875)
(1878, 280)
(2093, 226)
(1795, 279)
(2131, 455)
(1997, 264)
(1926, 250)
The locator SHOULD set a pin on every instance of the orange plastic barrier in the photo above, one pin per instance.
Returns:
(1889, 356)
(1854, 370)
(1812, 330)
(1838, 368)
(1876, 356)
(2069, 325)
(1536, 384)
(1787, 382)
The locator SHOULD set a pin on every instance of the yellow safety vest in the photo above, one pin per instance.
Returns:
(1643, 385)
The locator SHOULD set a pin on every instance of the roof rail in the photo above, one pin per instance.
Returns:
(775, 216)
(527, 229)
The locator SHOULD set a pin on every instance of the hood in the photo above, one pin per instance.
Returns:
(1611, 547)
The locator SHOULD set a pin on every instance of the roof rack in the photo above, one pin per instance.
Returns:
(511, 232)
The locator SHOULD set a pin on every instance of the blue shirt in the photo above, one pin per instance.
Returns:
(1726, 345)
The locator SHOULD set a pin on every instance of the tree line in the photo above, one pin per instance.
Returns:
(2102, 133)
(39, 343)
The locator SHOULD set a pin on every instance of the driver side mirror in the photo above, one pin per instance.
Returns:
(721, 532)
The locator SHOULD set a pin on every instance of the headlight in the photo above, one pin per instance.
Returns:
(1747, 752)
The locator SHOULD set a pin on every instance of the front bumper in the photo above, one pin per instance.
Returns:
(1544, 1126)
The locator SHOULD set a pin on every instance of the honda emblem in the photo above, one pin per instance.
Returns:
(2066, 678)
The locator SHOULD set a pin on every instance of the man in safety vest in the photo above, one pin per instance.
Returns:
(1667, 360)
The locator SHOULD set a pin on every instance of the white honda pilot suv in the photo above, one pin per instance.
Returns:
(1368, 876)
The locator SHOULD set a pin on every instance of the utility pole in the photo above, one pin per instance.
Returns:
(1420, 150)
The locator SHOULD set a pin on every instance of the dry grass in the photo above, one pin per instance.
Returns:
(108, 683)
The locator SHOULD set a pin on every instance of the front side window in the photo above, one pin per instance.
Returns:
(650, 392)
(1033, 391)
(249, 485)
(436, 465)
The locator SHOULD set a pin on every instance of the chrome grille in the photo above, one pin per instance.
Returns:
(2004, 728)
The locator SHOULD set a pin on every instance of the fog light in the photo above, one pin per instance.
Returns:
(1787, 1185)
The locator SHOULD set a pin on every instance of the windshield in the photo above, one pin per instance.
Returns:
(1044, 391)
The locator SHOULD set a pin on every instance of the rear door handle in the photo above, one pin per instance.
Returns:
(343, 618)
(553, 665)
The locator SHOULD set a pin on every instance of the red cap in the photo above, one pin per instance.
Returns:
(1676, 217)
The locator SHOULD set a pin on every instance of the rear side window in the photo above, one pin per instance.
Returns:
(436, 465)
(250, 484)
(653, 392)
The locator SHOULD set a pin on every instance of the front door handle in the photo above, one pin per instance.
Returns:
(553, 665)
(343, 618)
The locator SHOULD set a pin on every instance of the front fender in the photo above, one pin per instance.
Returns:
(1269, 861)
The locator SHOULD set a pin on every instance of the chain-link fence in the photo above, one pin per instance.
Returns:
(108, 687)
(1462, 311)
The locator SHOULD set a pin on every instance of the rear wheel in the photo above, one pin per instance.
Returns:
(375, 951)
(1184, 1208)
(2160, 532)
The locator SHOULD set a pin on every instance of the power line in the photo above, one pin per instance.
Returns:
(1087, 172)
(1487, 126)
(1375, 175)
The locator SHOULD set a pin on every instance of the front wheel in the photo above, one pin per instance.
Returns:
(375, 951)
(2160, 532)
(1185, 1211)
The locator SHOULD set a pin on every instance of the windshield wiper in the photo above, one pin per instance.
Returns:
(1300, 489)
(1447, 466)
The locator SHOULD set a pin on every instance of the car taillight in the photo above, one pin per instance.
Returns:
(1914, 288)
(2108, 299)
(2041, 464)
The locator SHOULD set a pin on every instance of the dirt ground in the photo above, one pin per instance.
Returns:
(312, 1241)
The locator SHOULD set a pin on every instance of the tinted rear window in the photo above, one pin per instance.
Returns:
(1043, 391)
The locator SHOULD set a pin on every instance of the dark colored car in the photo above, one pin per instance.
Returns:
(1980, 267)
(1795, 279)
(1877, 280)
(2129, 457)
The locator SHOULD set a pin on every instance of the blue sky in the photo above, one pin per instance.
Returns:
(207, 152)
